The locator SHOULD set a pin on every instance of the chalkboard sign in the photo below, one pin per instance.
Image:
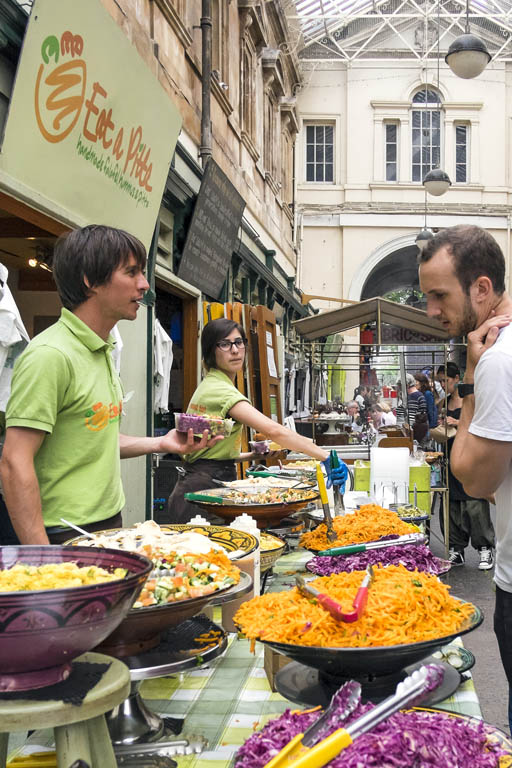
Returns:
(212, 233)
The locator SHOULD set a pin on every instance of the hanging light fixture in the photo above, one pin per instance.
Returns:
(426, 234)
(437, 181)
(467, 56)
(423, 237)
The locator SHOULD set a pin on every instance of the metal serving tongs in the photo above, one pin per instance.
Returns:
(331, 534)
(332, 606)
(302, 742)
(339, 504)
(408, 693)
(352, 549)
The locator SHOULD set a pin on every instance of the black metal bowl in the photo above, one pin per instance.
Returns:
(381, 660)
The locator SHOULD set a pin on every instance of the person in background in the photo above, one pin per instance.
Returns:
(470, 518)
(362, 398)
(462, 273)
(388, 417)
(416, 408)
(424, 386)
(359, 396)
(63, 444)
(353, 410)
(223, 345)
(380, 417)
(439, 393)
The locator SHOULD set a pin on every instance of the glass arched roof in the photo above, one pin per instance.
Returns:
(391, 29)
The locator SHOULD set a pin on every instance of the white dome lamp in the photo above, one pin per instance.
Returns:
(467, 56)
(436, 182)
(423, 237)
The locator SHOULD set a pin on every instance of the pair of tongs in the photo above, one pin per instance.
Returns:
(352, 549)
(339, 504)
(331, 534)
(331, 605)
(408, 693)
(303, 742)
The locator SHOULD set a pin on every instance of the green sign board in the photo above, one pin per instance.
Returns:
(89, 127)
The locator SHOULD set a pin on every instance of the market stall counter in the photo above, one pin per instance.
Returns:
(226, 701)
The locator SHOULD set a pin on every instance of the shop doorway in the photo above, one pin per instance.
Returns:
(177, 313)
(27, 238)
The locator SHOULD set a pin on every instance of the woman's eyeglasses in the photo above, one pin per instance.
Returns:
(227, 346)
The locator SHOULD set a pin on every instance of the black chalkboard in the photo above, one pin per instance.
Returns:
(212, 233)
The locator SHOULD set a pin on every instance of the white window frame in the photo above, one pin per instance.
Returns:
(312, 123)
(396, 124)
(467, 125)
(431, 106)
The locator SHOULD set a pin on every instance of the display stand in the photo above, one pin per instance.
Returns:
(384, 359)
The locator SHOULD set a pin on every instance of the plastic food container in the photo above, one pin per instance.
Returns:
(214, 425)
(260, 446)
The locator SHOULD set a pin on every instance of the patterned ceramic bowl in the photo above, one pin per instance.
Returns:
(42, 631)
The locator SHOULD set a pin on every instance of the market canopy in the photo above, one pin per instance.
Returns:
(376, 310)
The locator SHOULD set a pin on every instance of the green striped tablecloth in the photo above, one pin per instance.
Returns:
(228, 700)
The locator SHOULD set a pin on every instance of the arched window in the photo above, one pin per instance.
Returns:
(426, 132)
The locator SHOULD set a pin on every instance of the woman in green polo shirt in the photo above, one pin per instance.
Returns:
(223, 345)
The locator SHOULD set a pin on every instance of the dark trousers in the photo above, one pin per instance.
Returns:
(7, 532)
(198, 476)
(503, 631)
(60, 535)
(470, 520)
(56, 535)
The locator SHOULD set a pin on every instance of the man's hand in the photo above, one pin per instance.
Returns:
(482, 339)
(179, 442)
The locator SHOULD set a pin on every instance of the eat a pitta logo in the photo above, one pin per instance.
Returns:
(60, 89)
(61, 100)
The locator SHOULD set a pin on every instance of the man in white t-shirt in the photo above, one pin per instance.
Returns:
(462, 273)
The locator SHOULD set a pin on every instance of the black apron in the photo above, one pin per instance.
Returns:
(197, 476)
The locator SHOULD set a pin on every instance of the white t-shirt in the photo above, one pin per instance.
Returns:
(388, 419)
(493, 420)
(359, 400)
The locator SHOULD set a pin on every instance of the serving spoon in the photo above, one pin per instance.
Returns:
(77, 528)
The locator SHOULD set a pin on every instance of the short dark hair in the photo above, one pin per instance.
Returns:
(452, 369)
(474, 252)
(91, 253)
(213, 332)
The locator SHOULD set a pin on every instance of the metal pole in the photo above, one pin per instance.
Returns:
(150, 318)
(313, 385)
(205, 150)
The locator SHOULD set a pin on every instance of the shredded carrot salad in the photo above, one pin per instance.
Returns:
(369, 523)
(403, 607)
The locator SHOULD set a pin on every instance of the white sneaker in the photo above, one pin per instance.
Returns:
(456, 557)
(486, 559)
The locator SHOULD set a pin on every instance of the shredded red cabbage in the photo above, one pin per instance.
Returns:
(412, 556)
(405, 740)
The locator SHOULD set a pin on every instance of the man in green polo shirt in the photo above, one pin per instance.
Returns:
(62, 451)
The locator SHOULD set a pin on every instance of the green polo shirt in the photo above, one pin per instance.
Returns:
(215, 396)
(65, 384)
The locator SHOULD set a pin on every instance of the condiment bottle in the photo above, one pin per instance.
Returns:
(249, 564)
(198, 520)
